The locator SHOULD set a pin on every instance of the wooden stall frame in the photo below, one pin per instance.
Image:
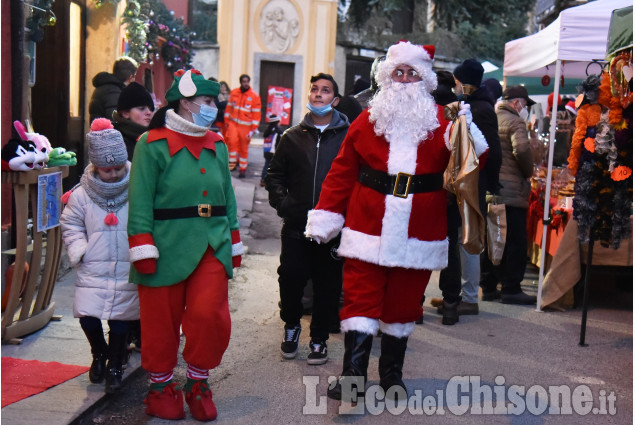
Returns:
(34, 309)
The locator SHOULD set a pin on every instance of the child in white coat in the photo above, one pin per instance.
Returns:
(94, 225)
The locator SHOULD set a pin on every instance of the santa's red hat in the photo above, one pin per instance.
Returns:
(417, 56)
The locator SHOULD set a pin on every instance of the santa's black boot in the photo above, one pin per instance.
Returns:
(393, 351)
(98, 348)
(117, 350)
(357, 346)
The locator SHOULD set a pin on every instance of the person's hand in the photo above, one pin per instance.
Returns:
(466, 110)
(146, 266)
(252, 133)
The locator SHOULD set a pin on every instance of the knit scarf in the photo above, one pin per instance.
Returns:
(108, 196)
(177, 123)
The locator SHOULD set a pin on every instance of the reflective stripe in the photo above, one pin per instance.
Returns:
(241, 122)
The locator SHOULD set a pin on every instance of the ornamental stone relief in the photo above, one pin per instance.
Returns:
(279, 25)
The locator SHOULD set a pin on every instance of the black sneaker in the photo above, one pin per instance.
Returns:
(289, 346)
(318, 354)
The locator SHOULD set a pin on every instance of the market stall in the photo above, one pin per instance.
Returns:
(601, 158)
(570, 47)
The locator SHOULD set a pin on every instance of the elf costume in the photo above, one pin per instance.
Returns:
(184, 241)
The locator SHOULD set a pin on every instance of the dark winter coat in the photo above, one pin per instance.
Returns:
(484, 116)
(131, 131)
(302, 160)
(104, 100)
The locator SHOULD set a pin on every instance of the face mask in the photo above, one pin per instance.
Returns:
(524, 114)
(320, 111)
(205, 116)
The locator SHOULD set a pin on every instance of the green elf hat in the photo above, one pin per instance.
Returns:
(191, 83)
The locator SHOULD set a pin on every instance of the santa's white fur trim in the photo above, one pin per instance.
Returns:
(407, 53)
(399, 330)
(422, 255)
(480, 144)
(360, 324)
(141, 252)
(323, 225)
(238, 249)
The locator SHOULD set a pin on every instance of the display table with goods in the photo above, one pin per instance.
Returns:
(560, 212)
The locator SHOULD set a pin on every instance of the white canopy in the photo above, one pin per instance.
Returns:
(578, 36)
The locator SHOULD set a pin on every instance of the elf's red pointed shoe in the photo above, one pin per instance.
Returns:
(165, 404)
(199, 399)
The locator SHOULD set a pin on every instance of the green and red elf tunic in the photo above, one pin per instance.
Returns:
(174, 178)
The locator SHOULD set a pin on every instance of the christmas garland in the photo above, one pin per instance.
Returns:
(41, 16)
(153, 32)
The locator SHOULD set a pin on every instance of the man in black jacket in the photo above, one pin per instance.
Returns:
(460, 284)
(108, 88)
(294, 181)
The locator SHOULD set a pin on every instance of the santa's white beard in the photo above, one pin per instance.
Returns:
(404, 112)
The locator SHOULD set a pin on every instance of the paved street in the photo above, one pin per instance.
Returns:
(504, 346)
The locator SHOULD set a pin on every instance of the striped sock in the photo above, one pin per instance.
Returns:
(197, 374)
(158, 381)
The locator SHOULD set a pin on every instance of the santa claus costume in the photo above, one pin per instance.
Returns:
(384, 193)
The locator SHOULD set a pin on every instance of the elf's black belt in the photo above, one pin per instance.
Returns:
(201, 210)
(399, 185)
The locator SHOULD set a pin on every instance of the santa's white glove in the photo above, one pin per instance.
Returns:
(465, 110)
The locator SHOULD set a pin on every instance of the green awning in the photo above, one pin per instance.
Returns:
(620, 31)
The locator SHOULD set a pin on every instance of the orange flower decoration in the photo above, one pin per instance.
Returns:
(621, 173)
(589, 144)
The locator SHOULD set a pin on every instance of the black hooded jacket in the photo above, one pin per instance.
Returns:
(302, 160)
(484, 116)
(104, 100)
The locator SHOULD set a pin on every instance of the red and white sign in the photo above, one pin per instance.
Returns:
(279, 100)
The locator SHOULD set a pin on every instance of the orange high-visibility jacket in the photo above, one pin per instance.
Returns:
(243, 108)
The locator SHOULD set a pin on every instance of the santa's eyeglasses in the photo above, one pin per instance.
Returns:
(405, 74)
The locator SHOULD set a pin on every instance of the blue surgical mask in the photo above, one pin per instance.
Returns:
(321, 110)
(205, 116)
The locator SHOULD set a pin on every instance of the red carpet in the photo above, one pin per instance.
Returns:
(24, 378)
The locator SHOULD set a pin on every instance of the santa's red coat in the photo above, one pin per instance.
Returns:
(384, 229)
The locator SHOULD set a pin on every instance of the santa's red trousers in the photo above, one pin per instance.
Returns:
(390, 294)
(199, 305)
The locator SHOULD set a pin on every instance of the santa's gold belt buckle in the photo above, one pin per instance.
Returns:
(395, 190)
(204, 210)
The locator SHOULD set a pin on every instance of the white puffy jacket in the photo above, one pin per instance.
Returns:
(100, 254)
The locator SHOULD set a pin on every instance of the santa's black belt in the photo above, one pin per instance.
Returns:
(201, 210)
(401, 184)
